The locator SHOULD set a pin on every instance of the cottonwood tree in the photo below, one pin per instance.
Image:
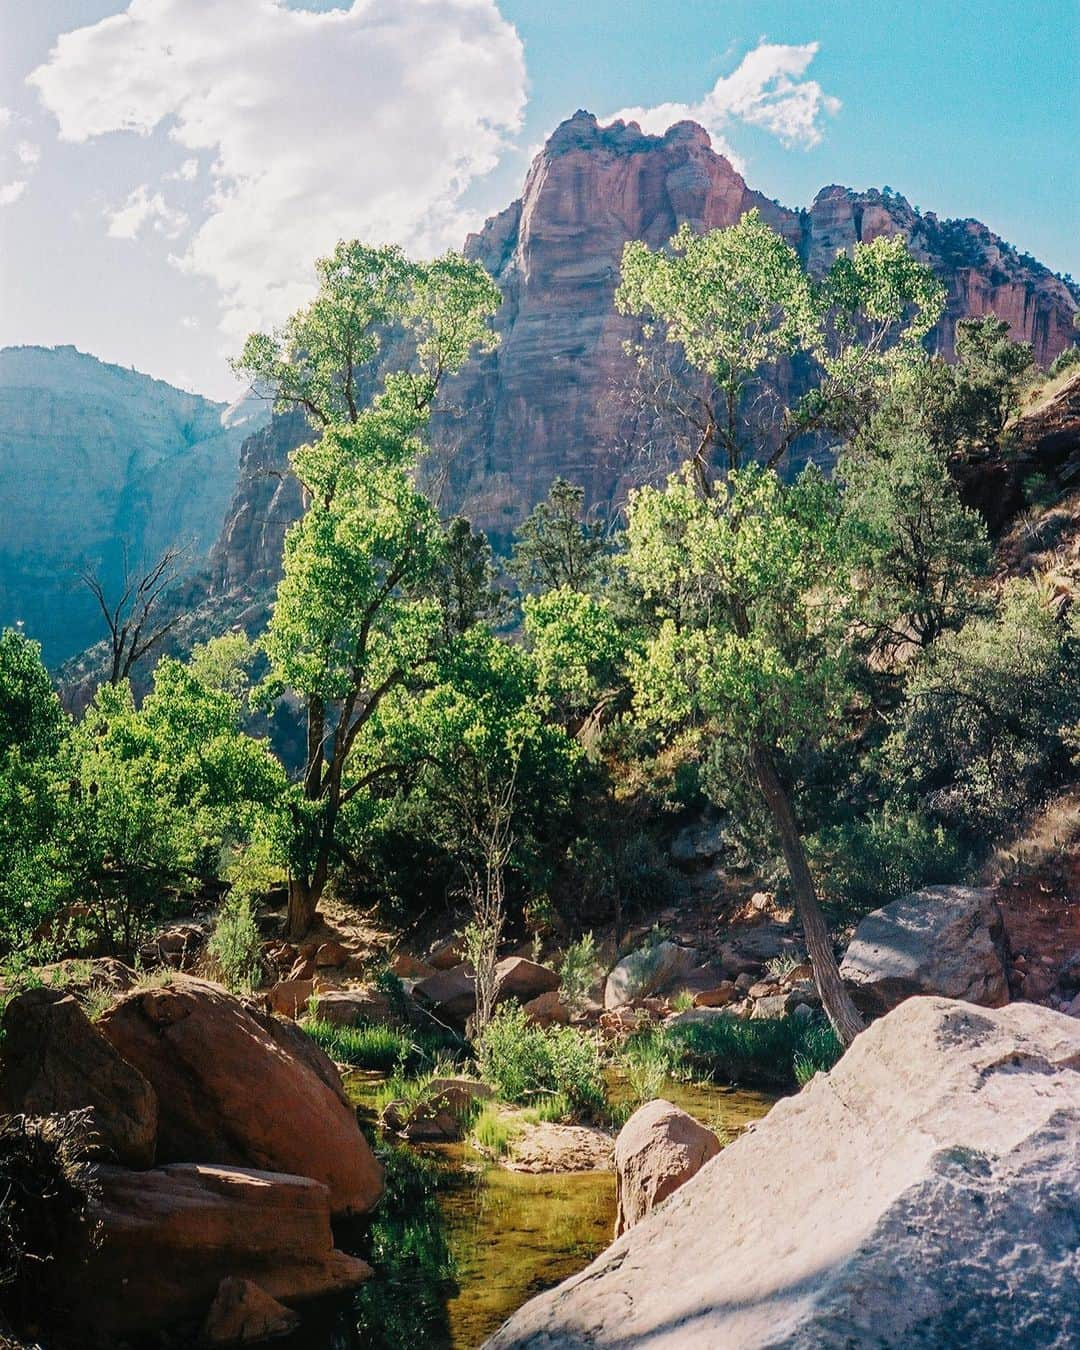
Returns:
(354, 617)
(559, 543)
(747, 573)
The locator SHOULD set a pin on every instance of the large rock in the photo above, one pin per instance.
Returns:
(523, 979)
(649, 970)
(52, 1059)
(452, 993)
(241, 1088)
(350, 1007)
(942, 940)
(170, 1236)
(925, 1193)
(657, 1151)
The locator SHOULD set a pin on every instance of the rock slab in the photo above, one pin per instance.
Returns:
(944, 940)
(924, 1194)
(170, 1236)
(238, 1087)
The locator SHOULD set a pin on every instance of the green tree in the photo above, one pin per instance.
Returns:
(990, 373)
(578, 647)
(750, 575)
(984, 726)
(33, 740)
(559, 544)
(354, 617)
(738, 306)
(464, 581)
(921, 547)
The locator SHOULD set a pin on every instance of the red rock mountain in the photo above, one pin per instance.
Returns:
(541, 404)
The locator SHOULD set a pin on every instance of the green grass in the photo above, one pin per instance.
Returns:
(493, 1131)
(384, 1048)
(774, 1052)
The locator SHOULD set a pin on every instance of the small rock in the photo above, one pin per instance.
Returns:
(290, 998)
(350, 1007)
(561, 1148)
(772, 1005)
(718, 997)
(408, 967)
(303, 969)
(330, 955)
(242, 1312)
(762, 901)
(547, 1010)
(446, 954)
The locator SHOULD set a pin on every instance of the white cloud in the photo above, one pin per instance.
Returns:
(27, 153)
(144, 208)
(11, 192)
(5, 117)
(767, 89)
(187, 172)
(367, 122)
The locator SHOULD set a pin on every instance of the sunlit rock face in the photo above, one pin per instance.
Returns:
(553, 398)
(96, 459)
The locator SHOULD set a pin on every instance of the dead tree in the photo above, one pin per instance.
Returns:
(131, 618)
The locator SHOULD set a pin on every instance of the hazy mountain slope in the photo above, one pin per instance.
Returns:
(93, 458)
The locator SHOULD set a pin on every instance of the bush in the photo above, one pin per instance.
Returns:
(235, 946)
(578, 970)
(383, 1048)
(524, 1062)
(774, 1052)
(45, 1195)
(982, 733)
(1066, 360)
(866, 863)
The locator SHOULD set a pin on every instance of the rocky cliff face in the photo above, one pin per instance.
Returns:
(94, 458)
(547, 401)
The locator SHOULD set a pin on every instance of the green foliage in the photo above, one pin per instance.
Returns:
(578, 648)
(1064, 361)
(464, 582)
(866, 862)
(559, 545)
(990, 374)
(749, 582)
(493, 1130)
(578, 970)
(356, 616)
(384, 1048)
(763, 1051)
(737, 302)
(919, 547)
(235, 946)
(31, 719)
(982, 729)
(522, 1061)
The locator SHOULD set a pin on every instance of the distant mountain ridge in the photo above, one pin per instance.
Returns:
(540, 405)
(95, 458)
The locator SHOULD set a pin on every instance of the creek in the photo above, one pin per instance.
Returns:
(459, 1243)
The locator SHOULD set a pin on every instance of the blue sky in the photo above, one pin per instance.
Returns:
(173, 166)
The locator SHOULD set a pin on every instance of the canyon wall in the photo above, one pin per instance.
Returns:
(550, 399)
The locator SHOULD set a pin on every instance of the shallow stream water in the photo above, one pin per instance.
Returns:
(460, 1243)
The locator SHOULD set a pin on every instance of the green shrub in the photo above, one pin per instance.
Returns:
(235, 946)
(1064, 361)
(578, 971)
(524, 1062)
(492, 1130)
(866, 863)
(766, 1051)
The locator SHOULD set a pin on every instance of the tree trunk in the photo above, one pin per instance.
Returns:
(841, 1012)
(303, 903)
